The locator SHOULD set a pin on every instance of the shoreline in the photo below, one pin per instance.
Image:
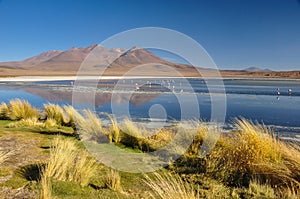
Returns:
(74, 78)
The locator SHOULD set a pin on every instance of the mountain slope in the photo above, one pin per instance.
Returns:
(114, 61)
(70, 60)
(137, 56)
(40, 58)
(117, 61)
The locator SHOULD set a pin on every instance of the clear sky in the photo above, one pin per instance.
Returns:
(236, 33)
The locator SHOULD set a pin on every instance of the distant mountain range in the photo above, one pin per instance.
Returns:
(135, 61)
(122, 61)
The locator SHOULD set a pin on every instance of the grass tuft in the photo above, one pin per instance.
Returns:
(46, 188)
(257, 190)
(73, 117)
(21, 109)
(29, 122)
(54, 111)
(114, 132)
(4, 111)
(167, 186)
(113, 180)
(69, 163)
(254, 153)
(50, 123)
(132, 135)
(90, 128)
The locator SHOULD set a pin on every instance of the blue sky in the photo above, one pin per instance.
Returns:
(236, 33)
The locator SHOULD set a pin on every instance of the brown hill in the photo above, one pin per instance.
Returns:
(40, 58)
(137, 56)
(138, 61)
(32, 60)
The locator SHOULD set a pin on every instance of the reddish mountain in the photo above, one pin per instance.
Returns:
(137, 56)
(32, 60)
(136, 61)
(40, 58)
(119, 61)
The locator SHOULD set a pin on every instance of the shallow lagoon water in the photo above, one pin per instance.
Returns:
(254, 99)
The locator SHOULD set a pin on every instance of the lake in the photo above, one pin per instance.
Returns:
(254, 99)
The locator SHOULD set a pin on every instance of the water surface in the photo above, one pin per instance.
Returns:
(253, 99)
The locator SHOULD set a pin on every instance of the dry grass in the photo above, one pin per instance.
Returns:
(114, 133)
(250, 158)
(46, 188)
(202, 131)
(72, 116)
(113, 180)
(288, 193)
(29, 122)
(4, 156)
(159, 140)
(253, 153)
(50, 123)
(3, 111)
(90, 128)
(55, 112)
(260, 190)
(132, 135)
(69, 163)
(21, 109)
(167, 186)
(34, 122)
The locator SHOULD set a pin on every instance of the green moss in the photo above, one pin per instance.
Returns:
(70, 190)
(16, 181)
(4, 123)
(5, 171)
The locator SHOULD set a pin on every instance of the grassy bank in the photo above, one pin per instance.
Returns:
(42, 156)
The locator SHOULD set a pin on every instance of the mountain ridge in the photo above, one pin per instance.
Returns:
(115, 59)
(119, 62)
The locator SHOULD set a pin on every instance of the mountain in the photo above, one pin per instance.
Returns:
(70, 60)
(32, 60)
(256, 69)
(118, 62)
(137, 56)
(41, 57)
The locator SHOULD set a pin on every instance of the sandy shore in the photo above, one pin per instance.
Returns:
(74, 78)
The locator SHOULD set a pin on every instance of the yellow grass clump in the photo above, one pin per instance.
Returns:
(167, 186)
(159, 140)
(3, 111)
(29, 122)
(200, 136)
(69, 163)
(113, 180)
(46, 188)
(21, 109)
(90, 128)
(54, 111)
(114, 132)
(73, 116)
(49, 123)
(253, 152)
(133, 135)
(260, 190)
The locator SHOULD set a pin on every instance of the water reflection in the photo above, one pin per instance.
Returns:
(257, 100)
